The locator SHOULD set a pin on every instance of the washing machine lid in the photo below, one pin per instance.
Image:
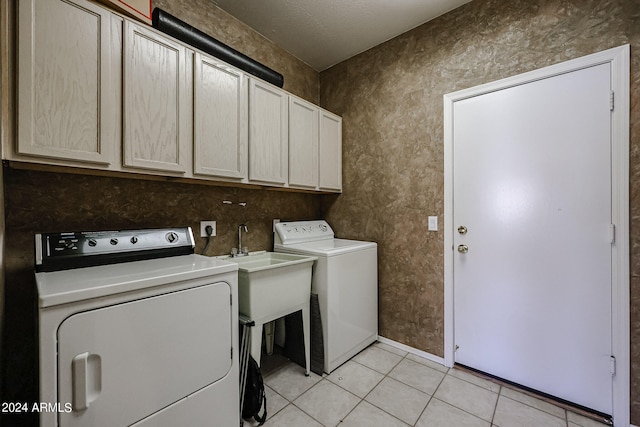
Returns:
(327, 247)
(61, 287)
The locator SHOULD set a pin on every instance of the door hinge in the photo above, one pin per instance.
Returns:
(231, 353)
(231, 300)
(611, 101)
(612, 233)
(612, 365)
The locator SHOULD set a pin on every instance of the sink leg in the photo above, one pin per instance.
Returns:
(269, 329)
(306, 322)
(256, 342)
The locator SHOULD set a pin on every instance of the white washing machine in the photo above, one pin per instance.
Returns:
(345, 277)
(134, 329)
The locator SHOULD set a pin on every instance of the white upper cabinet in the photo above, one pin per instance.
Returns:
(65, 90)
(268, 133)
(303, 144)
(330, 161)
(95, 90)
(220, 119)
(157, 100)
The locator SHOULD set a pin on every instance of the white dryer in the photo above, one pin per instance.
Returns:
(127, 338)
(345, 278)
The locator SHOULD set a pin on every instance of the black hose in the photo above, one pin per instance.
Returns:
(171, 25)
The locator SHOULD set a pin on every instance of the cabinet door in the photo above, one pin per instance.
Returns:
(268, 133)
(330, 162)
(65, 90)
(156, 118)
(220, 119)
(303, 144)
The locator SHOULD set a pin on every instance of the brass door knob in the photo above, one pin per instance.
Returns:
(463, 249)
(462, 229)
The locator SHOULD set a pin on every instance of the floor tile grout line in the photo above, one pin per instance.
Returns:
(385, 376)
(403, 357)
(287, 400)
(363, 399)
(495, 407)
(425, 408)
(307, 414)
(469, 382)
(408, 385)
(369, 392)
(348, 391)
(431, 397)
(566, 408)
(565, 418)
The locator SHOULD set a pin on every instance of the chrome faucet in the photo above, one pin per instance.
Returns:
(240, 251)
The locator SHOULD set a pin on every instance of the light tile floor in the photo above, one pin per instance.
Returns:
(384, 386)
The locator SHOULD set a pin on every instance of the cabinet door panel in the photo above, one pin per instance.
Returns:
(268, 133)
(64, 85)
(220, 119)
(156, 101)
(330, 151)
(303, 144)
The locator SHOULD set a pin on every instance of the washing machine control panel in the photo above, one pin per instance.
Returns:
(65, 250)
(302, 231)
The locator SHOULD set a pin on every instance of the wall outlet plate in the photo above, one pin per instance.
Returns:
(433, 223)
(203, 226)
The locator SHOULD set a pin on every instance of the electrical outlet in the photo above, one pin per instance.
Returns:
(275, 221)
(203, 226)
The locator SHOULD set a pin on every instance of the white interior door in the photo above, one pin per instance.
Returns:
(532, 186)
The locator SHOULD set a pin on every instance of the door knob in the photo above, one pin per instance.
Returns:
(463, 249)
(462, 229)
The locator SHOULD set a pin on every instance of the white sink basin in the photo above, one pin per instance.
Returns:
(271, 285)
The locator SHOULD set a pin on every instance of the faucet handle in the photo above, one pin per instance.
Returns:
(245, 250)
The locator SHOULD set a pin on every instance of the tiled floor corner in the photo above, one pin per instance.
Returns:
(385, 386)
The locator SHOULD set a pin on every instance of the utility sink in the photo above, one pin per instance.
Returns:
(271, 283)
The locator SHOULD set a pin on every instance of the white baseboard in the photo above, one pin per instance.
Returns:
(412, 350)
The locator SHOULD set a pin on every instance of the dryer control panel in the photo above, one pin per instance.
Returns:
(289, 233)
(66, 250)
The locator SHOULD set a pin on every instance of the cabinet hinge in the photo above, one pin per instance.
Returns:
(611, 101)
(612, 365)
(612, 233)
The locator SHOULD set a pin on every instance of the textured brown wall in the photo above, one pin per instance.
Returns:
(391, 101)
(40, 202)
(390, 98)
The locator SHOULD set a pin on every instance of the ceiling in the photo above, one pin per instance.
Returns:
(323, 33)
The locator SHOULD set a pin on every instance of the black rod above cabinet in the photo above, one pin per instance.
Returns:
(173, 26)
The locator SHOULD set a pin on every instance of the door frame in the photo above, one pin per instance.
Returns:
(619, 60)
